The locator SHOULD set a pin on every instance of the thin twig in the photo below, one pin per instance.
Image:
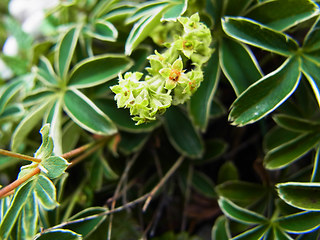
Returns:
(162, 181)
(86, 154)
(9, 188)
(20, 156)
(187, 198)
(118, 188)
(127, 205)
(77, 151)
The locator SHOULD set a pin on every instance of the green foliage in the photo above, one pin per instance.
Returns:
(131, 100)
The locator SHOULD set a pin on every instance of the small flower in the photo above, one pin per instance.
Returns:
(157, 62)
(174, 74)
(190, 24)
(188, 45)
(127, 88)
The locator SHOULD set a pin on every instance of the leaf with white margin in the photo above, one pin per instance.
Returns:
(54, 166)
(301, 222)
(258, 35)
(86, 114)
(45, 192)
(142, 29)
(240, 214)
(46, 147)
(58, 234)
(301, 195)
(29, 122)
(64, 53)
(98, 69)
(265, 95)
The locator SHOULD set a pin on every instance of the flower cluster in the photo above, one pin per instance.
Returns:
(173, 76)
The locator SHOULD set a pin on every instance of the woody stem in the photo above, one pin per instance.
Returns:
(18, 182)
(20, 156)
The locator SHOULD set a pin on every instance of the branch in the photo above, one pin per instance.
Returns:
(9, 188)
(20, 156)
(144, 197)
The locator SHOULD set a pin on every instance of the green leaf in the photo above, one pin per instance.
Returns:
(301, 222)
(217, 109)
(87, 115)
(214, 148)
(253, 234)
(46, 147)
(58, 234)
(121, 12)
(279, 234)
(103, 30)
(45, 192)
(12, 113)
(278, 136)
(107, 170)
(55, 118)
(146, 9)
(236, 7)
(238, 65)
(242, 192)
(86, 227)
(28, 224)
(220, 229)
(18, 202)
(218, 10)
(266, 95)
(4, 206)
(178, 7)
(314, 235)
(28, 123)
(311, 42)
(203, 184)
(142, 29)
(305, 196)
(14, 28)
(204, 95)
(18, 65)
(132, 142)
(38, 96)
(181, 133)
(312, 72)
(260, 36)
(45, 72)
(228, 171)
(281, 15)
(121, 117)
(97, 70)
(285, 154)
(240, 214)
(315, 177)
(296, 124)
(54, 166)
(64, 53)
(70, 136)
(8, 93)
(102, 7)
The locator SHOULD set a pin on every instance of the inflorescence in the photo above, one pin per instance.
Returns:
(173, 76)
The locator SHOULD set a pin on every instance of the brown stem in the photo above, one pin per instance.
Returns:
(4, 191)
(20, 156)
(162, 181)
(77, 151)
(127, 205)
(116, 193)
(86, 154)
